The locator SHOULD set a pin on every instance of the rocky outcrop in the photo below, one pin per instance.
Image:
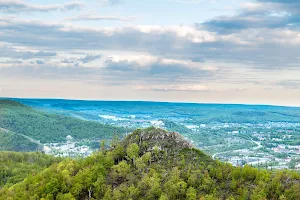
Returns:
(151, 138)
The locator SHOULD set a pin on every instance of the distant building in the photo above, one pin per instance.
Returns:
(202, 125)
(157, 123)
(69, 138)
(47, 149)
(192, 127)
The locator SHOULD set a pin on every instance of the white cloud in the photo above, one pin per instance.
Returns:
(146, 66)
(109, 2)
(194, 1)
(90, 58)
(23, 53)
(170, 42)
(18, 6)
(178, 88)
(259, 43)
(100, 18)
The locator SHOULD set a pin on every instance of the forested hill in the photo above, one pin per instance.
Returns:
(45, 127)
(15, 166)
(154, 164)
(11, 141)
(194, 112)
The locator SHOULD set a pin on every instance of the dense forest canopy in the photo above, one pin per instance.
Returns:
(153, 164)
(15, 166)
(48, 127)
(11, 141)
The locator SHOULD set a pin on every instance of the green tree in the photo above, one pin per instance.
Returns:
(121, 170)
(191, 194)
(102, 145)
(133, 151)
(163, 197)
(67, 196)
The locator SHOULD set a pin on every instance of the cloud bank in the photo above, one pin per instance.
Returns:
(19, 6)
(253, 50)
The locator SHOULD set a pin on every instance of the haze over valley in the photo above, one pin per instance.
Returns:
(261, 136)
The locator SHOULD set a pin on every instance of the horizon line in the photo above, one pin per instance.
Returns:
(153, 101)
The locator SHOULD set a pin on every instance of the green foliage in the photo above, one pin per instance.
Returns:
(14, 142)
(171, 126)
(112, 175)
(15, 166)
(191, 194)
(102, 145)
(121, 170)
(46, 127)
(133, 151)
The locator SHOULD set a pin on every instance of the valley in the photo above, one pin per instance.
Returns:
(261, 136)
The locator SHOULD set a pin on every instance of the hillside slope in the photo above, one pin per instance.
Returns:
(46, 127)
(15, 166)
(11, 141)
(154, 164)
(193, 112)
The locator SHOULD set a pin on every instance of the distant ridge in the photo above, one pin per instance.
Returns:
(200, 113)
(50, 127)
(149, 101)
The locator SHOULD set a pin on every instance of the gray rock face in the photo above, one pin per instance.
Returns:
(155, 137)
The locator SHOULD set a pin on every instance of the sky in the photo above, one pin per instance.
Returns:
(208, 51)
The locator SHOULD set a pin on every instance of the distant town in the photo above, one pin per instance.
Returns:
(265, 137)
(266, 146)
